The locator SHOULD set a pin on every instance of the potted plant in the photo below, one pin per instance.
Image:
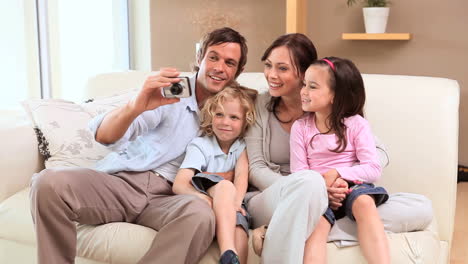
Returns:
(375, 14)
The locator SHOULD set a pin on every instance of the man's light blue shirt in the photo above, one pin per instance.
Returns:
(154, 138)
(205, 155)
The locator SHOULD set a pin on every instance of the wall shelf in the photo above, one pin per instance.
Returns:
(379, 36)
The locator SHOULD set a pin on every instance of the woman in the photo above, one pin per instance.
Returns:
(291, 206)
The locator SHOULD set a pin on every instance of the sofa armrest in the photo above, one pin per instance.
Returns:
(19, 156)
(417, 119)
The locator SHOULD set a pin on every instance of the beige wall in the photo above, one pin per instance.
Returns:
(177, 25)
(439, 44)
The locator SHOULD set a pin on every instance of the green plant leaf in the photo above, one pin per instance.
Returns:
(370, 3)
(351, 2)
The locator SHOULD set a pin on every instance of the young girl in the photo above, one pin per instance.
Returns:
(334, 139)
(210, 161)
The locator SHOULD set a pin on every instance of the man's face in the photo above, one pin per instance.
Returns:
(218, 67)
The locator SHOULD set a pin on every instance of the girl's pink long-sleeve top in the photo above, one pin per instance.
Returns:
(358, 162)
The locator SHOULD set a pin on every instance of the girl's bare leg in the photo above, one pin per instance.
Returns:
(315, 250)
(371, 235)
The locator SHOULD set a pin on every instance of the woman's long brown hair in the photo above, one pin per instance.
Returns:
(302, 52)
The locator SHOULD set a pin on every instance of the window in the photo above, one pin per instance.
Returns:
(19, 68)
(75, 39)
(87, 37)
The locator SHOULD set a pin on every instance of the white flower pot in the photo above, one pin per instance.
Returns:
(375, 19)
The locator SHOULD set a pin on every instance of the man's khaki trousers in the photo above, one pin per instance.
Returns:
(61, 197)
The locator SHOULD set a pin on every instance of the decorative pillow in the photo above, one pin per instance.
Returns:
(62, 129)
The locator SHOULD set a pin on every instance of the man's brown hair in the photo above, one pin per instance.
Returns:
(219, 36)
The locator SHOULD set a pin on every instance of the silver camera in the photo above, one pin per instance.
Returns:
(178, 90)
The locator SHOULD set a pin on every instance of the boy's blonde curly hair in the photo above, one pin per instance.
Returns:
(246, 97)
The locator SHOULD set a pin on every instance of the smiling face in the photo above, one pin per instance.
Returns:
(316, 94)
(281, 73)
(228, 122)
(218, 67)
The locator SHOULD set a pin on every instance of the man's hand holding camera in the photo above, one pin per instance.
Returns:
(150, 96)
(115, 123)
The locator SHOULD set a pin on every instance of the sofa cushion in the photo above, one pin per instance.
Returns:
(19, 158)
(62, 129)
(15, 219)
(126, 243)
(109, 243)
(414, 247)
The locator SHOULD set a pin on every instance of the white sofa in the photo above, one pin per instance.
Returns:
(416, 118)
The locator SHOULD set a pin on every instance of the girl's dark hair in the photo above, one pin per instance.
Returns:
(349, 95)
(302, 52)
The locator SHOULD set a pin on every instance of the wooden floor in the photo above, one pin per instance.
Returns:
(459, 254)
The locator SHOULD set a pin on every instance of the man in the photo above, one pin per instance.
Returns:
(133, 184)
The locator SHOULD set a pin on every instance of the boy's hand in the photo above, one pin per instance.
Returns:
(242, 211)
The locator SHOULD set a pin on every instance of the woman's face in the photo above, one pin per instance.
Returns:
(280, 73)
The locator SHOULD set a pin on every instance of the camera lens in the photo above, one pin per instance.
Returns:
(176, 89)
